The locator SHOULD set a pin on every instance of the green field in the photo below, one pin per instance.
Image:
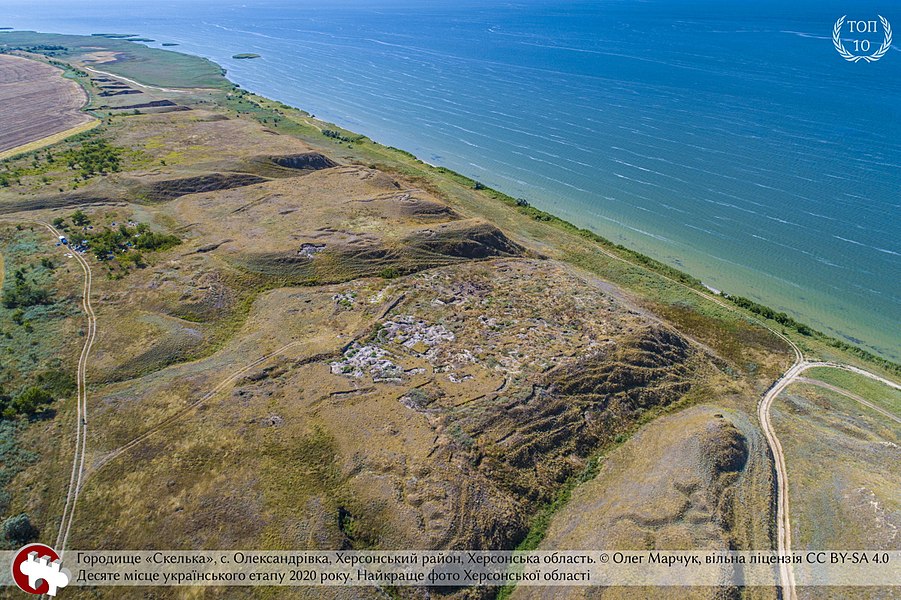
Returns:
(150, 66)
(869, 389)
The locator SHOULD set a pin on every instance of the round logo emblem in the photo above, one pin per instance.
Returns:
(865, 35)
(36, 570)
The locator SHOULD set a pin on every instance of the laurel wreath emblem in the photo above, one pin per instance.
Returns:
(840, 48)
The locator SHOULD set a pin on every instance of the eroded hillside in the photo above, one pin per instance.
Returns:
(337, 353)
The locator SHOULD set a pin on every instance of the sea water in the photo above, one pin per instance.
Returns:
(728, 139)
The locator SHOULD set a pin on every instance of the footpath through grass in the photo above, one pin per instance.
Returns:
(869, 389)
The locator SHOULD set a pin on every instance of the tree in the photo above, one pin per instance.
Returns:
(22, 293)
(31, 400)
(94, 156)
(80, 219)
(19, 529)
(133, 257)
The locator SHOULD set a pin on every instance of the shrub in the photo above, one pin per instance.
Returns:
(132, 258)
(23, 293)
(31, 401)
(56, 381)
(80, 219)
(156, 241)
(389, 273)
(19, 529)
(337, 135)
(768, 313)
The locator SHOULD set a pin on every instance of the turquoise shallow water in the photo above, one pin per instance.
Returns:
(729, 140)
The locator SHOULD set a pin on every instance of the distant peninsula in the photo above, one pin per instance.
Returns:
(245, 56)
(115, 36)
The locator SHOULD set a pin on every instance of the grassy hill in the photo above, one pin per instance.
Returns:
(310, 340)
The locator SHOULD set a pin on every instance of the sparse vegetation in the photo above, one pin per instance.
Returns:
(31, 402)
(13, 458)
(525, 372)
(18, 530)
(874, 391)
(22, 293)
(843, 481)
(337, 135)
(94, 157)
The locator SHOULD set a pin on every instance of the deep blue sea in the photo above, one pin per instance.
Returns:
(726, 138)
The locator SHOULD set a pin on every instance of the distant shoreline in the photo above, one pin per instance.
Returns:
(734, 264)
(654, 264)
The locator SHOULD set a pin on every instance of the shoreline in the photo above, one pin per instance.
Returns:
(841, 315)
(852, 313)
(830, 314)
(661, 268)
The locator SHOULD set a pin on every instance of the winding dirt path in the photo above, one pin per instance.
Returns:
(81, 406)
(855, 397)
(783, 522)
(763, 412)
(77, 476)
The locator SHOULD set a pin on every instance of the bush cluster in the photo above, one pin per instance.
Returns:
(23, 293)
(93, 157)
(108, 243)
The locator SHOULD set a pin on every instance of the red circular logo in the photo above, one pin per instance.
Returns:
(22, 556)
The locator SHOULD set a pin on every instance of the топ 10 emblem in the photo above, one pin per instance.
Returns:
(863, 40)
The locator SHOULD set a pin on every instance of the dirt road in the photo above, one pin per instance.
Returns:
(848, 394)
(81, 406)
(81, 424)
(137, 83)
(783, 520)
(234, 376)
